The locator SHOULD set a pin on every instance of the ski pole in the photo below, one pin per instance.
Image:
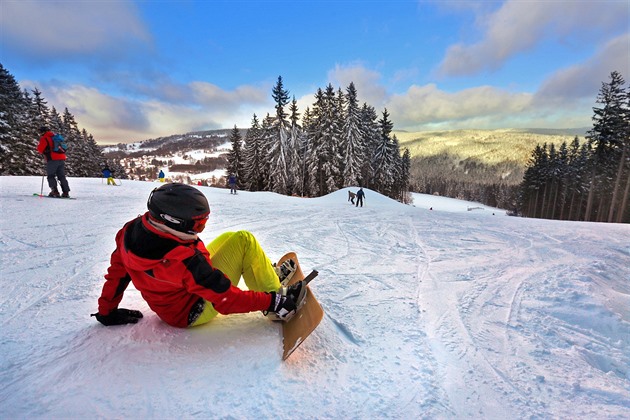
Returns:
(41, 193)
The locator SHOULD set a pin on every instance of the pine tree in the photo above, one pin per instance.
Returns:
(15, 143)
(235, 158)
(267, 140)
(279, 139)
(382, 162)
(253, 157)
(295, 147)
(352, 140)
(370, 142)
(315, 153)
(608, 137)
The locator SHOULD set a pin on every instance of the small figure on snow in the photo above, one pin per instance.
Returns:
(161, 176)
(232, 183)
(360, 197)
(351, 196)
(184, 282)
(107, 173)
(55, 164)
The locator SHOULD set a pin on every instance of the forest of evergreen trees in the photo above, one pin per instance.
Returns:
(339, 143)
(588, 181)
(22, 114)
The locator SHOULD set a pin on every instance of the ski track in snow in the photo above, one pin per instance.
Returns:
(429, 314)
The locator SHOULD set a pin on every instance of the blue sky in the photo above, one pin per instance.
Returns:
(131, 71)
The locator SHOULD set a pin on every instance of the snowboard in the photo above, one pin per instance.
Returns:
(308, 317)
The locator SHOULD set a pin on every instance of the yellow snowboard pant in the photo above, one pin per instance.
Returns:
(239, 254)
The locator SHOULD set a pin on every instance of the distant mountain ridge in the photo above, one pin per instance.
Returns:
(193, 140)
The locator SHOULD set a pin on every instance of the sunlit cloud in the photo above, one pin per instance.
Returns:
(422, 105)
(114, 119)
(585, 79)
(518, 26)
(368, 82)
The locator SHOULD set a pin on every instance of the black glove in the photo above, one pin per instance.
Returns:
(284, 302)
(119, 316)
(283, 305)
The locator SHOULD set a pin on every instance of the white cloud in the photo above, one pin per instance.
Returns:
(584, 80)
(208, 94)
(427, 105)
(367, 82)
(518, 26)
(45, 29)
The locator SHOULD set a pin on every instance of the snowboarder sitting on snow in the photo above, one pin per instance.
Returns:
(360, 196)
(55, 164)
(351, 196)
(107, 173)
(185, 283)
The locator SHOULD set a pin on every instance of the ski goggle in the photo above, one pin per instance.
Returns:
(199, 222)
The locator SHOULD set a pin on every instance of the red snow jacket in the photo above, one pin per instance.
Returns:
(172, 275)
(45, 147)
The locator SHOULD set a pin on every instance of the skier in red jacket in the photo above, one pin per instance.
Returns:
(183, 282)
(55, 164)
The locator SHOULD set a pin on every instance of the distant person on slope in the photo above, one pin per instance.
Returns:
(107, 173)
(185, 283)
(360, 196)
(351, 196)
(55, 164)
(232, 183)
(161, 176)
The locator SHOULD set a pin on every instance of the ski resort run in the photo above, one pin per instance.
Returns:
(431, 311)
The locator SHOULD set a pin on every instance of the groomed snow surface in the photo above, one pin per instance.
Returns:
(443, 313)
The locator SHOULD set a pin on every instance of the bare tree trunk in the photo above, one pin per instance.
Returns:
(624, 201)
(589, 199)
(613, 201)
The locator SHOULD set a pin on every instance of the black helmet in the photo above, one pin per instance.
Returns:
(180, 207)
(43, 129)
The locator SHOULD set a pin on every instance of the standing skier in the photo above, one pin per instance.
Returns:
(55, 164)
(360, 196)
(185, 283)
(232, 183)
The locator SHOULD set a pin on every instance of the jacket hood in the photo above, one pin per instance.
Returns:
(146, 247)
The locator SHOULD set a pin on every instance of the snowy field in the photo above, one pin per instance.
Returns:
(443, 313)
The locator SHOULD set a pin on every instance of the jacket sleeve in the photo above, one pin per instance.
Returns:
(212, 285)
(43, 143)
(116, 281)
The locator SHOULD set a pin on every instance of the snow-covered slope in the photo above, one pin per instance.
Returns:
(443, 313)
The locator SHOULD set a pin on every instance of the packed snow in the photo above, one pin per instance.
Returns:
(442, 313)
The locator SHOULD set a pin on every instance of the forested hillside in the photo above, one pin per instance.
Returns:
(486, 166)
